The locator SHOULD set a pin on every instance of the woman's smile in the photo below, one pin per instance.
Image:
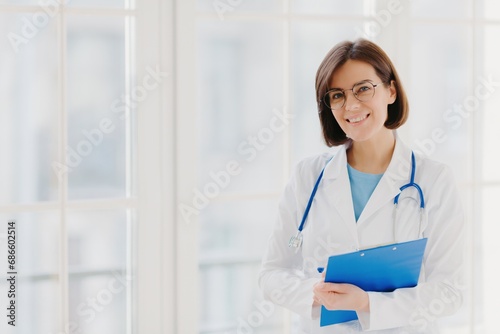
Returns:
(357, 118)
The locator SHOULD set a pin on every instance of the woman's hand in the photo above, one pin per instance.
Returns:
(335, 296)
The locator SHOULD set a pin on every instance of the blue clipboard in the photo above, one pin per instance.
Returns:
(382, 269)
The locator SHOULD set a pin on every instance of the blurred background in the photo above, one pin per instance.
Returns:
(145, 145)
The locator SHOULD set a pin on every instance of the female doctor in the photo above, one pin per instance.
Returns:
(361, 102)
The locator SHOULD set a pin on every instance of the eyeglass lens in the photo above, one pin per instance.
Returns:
(363, 91)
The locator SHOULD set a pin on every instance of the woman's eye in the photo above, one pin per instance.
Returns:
(336, 96)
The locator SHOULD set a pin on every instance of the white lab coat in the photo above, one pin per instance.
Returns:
(287, 277)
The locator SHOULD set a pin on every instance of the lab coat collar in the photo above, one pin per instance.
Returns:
(339, 190)
(397, 174)
(398, 169)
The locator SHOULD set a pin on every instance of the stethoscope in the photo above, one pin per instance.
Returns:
(296, 241)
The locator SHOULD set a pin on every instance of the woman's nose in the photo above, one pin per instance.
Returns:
(351, 102)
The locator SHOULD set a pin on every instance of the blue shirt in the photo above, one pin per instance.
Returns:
(362, 187)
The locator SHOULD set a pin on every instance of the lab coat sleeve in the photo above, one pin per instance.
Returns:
(439, 291)
(281, 278)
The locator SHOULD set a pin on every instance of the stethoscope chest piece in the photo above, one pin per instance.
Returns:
(296, 241)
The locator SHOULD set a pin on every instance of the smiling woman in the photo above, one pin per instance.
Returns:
(353, 202)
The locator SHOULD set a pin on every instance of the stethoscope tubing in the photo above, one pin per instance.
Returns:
(296, 241)
(412, 184)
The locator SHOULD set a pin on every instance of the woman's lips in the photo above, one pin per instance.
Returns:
(357, 119)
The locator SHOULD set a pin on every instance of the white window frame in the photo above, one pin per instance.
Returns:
(164, 252)
(166, 264)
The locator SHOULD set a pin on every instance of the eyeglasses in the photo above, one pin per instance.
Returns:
(335, 98)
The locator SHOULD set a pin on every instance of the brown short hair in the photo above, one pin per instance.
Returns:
(368, 52)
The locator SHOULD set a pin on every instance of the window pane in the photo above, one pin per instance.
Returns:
(236, 229)
(96, 125)
(20, 2)
(491, 117)
(97, 240)
(240, 102)
(440, 104)
(98, 281)
(491, 9)
(233, 239)
(442, 9)
(98, 303)
(51, 4)
(36, 256)
(309, 47)
(231, 302)
(98, 3)
(28, 120)
(223, 8)
(36, 264)
(333, 7)
(37, 305)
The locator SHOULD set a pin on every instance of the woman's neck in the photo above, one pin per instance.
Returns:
(372, 156)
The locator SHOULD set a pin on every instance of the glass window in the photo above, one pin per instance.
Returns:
(28, 122)
(19, 2)
(37, 261)
(98, 302)
(97, 252)
(98, 240)
(224, 7)
(439, 114)
(331, 7)
(460, 9)
(233, 237)
(96, 151)
(100, 3)
(491, 9)
(240, 94)
(39, 303)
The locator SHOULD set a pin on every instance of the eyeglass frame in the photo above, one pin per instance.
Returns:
(352, 90)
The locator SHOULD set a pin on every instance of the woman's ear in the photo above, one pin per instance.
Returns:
(393, 94)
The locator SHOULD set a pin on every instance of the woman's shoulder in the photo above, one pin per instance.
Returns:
(314, 163)
(307, 170)
(429, 162)
(433, 169)
(305, 173)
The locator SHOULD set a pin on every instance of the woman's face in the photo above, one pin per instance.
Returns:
(362, 121)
